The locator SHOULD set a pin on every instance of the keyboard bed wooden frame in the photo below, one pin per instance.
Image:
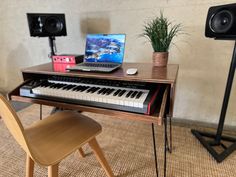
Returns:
(166, 76)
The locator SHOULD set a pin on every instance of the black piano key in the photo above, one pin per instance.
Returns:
(101, 90)
(42, 84)
(133, 94)
(66, 87)
(80, 88)
(76, 88)
(90, 89)
(121, 93)
(129, 93)
(139, 94)
(105, 90)
(45, 84)
(116, 92)
(95, 89)
(110, 91)
(60, 86)
(71, 87)
(51, 85)
(84, 88)
(55, 86)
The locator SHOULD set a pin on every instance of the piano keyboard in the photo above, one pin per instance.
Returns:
(96, 94)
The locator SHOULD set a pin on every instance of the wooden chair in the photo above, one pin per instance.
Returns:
(50, 140)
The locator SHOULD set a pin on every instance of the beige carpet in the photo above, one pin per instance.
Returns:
(128, 148)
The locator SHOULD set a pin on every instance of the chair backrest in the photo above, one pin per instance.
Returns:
(13, 123)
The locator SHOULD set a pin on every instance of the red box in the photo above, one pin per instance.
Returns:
(67, 58)
(65, 61)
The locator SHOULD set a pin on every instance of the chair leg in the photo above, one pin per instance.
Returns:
(100, 157)
(81, 152)
(53, 171)
(29, 167)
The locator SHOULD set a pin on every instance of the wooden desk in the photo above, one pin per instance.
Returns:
(165, 76)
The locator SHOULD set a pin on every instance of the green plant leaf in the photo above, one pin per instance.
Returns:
(160, 32)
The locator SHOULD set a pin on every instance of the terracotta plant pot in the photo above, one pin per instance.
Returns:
(160, 59)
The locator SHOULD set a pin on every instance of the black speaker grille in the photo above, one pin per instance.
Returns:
(53, 25)
(222, 21)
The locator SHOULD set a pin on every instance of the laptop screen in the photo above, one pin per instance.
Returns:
(105, 48)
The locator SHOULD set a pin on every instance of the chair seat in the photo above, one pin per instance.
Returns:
(60, 134)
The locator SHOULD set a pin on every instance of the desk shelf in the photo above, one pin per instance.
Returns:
(156, 117)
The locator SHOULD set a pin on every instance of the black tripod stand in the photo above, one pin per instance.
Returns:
(210, 140)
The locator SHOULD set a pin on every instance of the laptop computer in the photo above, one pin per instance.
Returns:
(103, 53)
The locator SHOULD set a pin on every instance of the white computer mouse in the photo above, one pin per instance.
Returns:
(131, 71)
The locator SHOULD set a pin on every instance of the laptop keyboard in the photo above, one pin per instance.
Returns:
(104, 65)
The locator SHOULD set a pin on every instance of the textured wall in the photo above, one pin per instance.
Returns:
(203, 62)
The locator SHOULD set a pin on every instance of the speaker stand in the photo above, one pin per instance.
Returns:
(213, 142)
(52, 45)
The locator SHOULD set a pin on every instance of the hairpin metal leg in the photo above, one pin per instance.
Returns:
(165, 145)
(169, 142)
(170, 150)
(154, 148)
(40, 112)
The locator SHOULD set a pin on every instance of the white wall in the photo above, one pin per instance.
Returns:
(204, 62)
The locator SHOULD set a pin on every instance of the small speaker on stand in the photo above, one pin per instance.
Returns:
(221, 24)
(47, 25)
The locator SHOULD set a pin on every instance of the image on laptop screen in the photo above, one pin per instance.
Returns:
(105, 48)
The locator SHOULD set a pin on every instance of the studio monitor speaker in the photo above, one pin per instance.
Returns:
(221, 22)
(46, 25)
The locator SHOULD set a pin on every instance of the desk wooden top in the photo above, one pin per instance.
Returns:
(146, 73)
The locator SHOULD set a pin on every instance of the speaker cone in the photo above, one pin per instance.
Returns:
(222, 21)
(53, 25)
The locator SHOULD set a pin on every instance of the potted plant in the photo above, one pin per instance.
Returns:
(160, 33)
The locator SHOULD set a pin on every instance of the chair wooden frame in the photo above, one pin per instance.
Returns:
(50, 140)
